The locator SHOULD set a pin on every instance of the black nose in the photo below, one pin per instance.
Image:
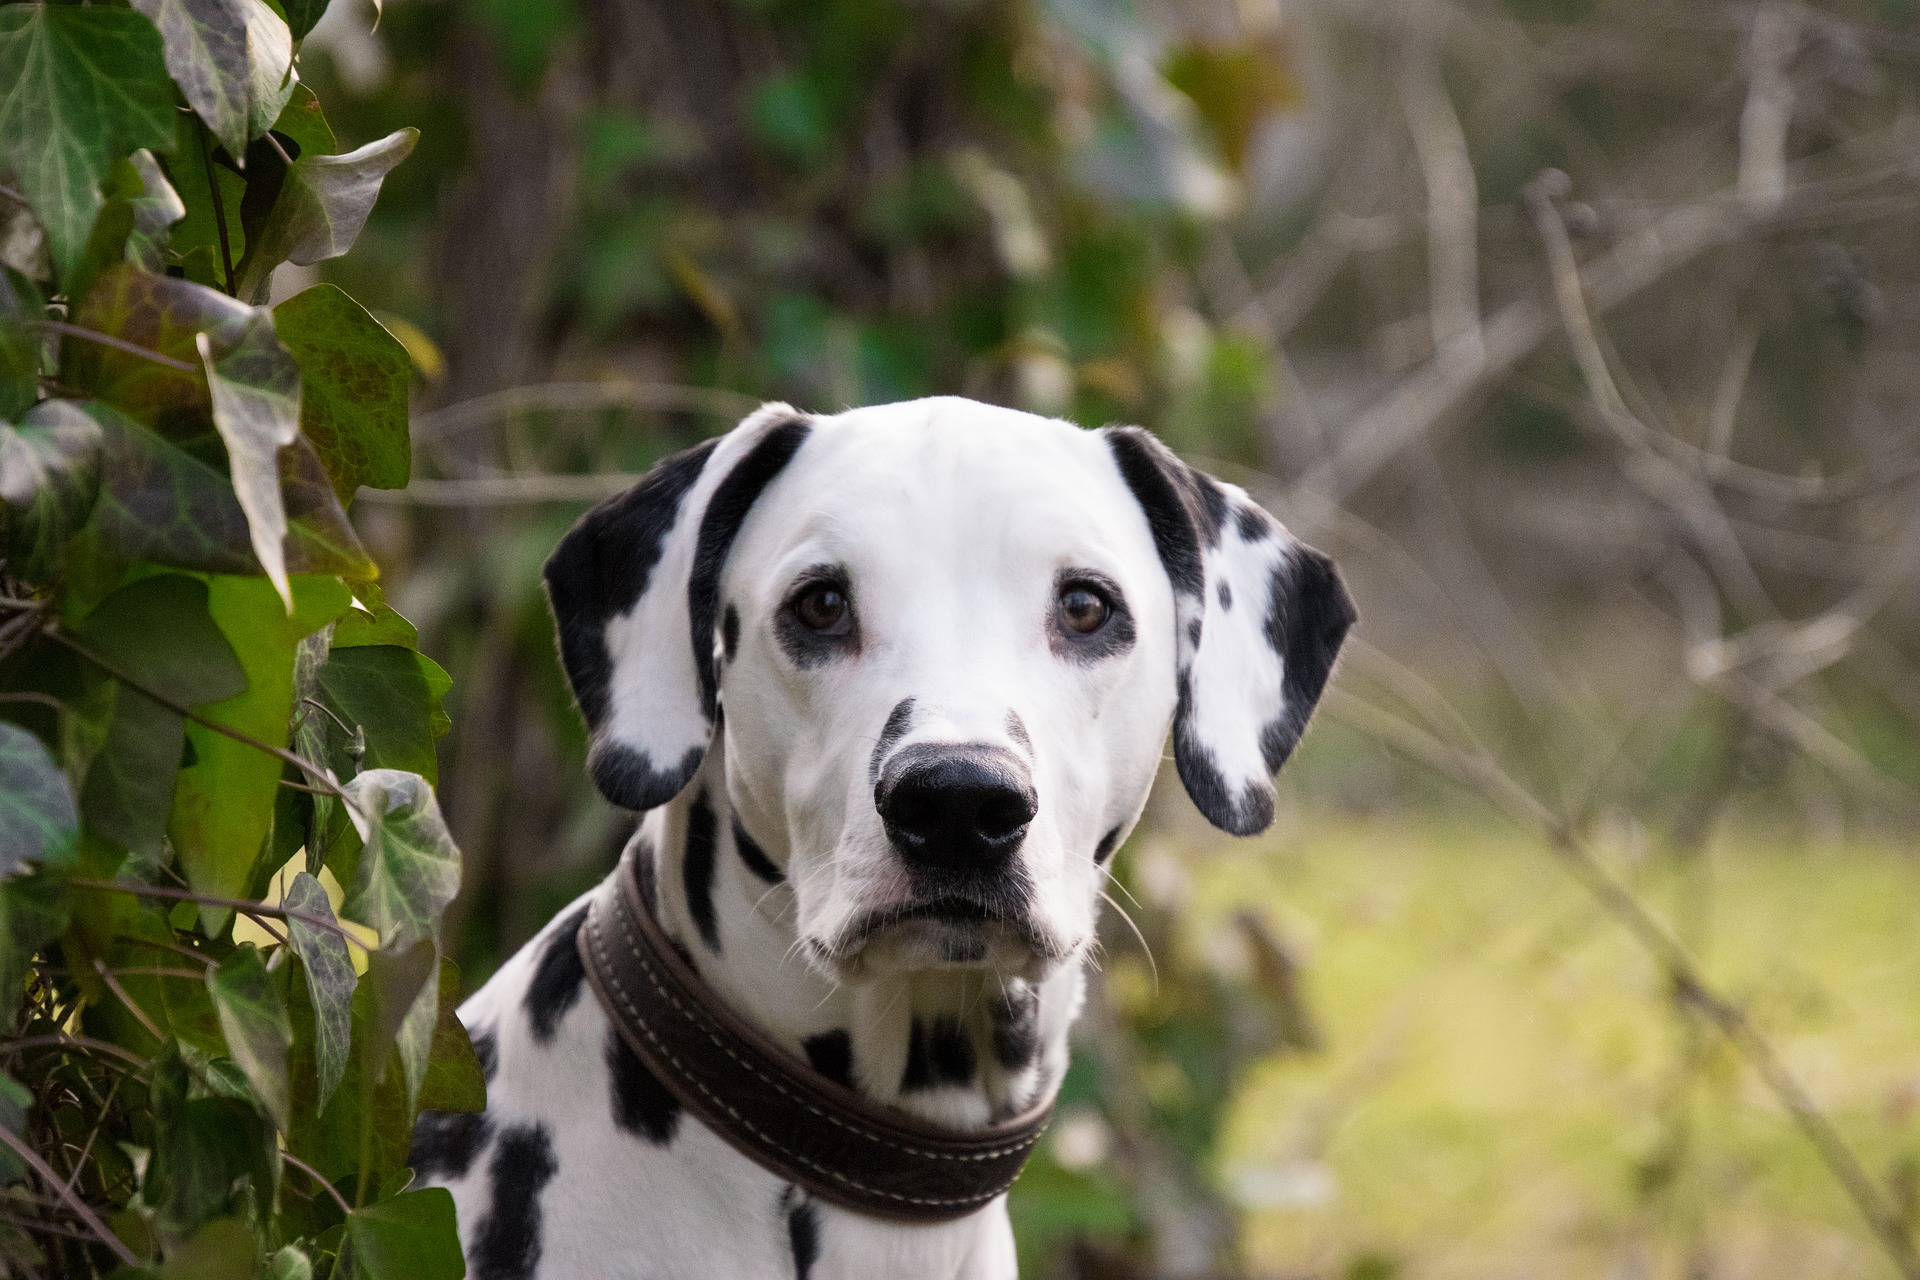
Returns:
(955, 807)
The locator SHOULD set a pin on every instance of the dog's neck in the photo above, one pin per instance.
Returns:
(962, 1048)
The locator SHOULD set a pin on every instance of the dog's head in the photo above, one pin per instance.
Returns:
(947, 640)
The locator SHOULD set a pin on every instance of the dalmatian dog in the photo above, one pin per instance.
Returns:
(890, 688)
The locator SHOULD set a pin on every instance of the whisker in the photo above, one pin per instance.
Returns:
(1152, 964)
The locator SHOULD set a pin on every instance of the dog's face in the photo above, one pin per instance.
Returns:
(947, 641)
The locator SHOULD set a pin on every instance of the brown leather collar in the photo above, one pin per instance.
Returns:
(772, 1107)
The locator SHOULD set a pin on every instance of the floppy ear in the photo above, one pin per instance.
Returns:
(635, 593)
(1260, 619)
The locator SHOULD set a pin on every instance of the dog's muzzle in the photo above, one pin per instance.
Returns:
(956, 813)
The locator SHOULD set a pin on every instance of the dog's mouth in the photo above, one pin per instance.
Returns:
(947, 932)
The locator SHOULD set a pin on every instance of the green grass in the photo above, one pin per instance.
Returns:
(1502, 1088)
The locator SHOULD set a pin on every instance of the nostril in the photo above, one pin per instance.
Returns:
(1002, 814)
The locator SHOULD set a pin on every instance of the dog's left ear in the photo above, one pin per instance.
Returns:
(635, 594)
(1260, 618)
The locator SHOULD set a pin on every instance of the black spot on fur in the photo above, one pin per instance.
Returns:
(899, 720)
(1150, 472)
(641, 1104)
(730, 633)
(1017, 730)
(1194, 630)
(680, 949)
(831, 1054)
(506, 1243)
(1225, 595)
(446, 1142)
(1243, 814)
(803, 1232)
(486, 1047)
(1104, 850)
(726, 512)
(754, 856)
(1016, 1026)
(940, 1054)
(557, 977)
(1253, 524)
(696, 870)
(1308, 615)
(603, 565)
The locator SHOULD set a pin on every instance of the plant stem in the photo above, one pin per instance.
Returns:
(133, 1006)
(68, 1041)
(74, 1202)
(219, 207)
(85, 334)
(319, 1178)
(237, 904)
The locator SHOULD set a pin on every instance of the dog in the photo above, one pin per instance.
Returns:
(890, 687)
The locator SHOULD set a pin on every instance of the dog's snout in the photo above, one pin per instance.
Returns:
(956, 806)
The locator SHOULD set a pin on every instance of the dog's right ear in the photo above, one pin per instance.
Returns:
(635, 594)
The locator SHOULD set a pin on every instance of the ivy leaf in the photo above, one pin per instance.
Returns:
(301, 121)
(253, 1016)
(161, 314)
(224, 1249)
(206, 53)
(302, 15)
(33, 912)
(49, 474)
(324, 202)
(289, 1263)
(79, 89)
(405, 1006)
(37, 818)
(20, 306)
(455, 1080)
(409, 868)
(15, 1099)
(270, 77)
(223, 801)
(206, 1150)
(394, 695)
(374, 621)
(330, 981)
(410, 1237)
(157, 502)
(354, 376)
(255, 387)
(155, 210)
(160, 633)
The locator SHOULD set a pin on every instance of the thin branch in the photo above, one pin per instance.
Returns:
(319, 1178)
(80, 1207)
(108, 340)
(19, 198)
(133, 1006)
(312, 770)
(1453, 205)
(219, 206)
(26, 695)
(241, 905)
(501, 491)
(67, 1040)
(579, 397)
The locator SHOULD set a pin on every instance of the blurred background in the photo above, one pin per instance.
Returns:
(1584, 333)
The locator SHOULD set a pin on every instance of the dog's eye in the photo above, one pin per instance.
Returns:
(1083, 610)
(823, 608)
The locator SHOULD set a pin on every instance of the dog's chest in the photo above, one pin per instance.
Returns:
(583, 1166)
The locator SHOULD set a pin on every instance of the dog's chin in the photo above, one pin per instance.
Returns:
(940, 936)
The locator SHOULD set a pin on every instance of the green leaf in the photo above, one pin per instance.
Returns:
(406, 1006)
(303, 14)
(354, 400)
(79, 89)
(223, 803)
(289, 1263)
(49, 474)
(301, 121)
(270, 79)
(20, 306)
(129, 788)
(160, 633)
(224, 1249)
(15, 1100)
(394, 695)
(160, 503)
(253, 1016)
(324, 202)
(409, 869)
(206, 53)
(373, 621)
(410, 1237)
(255, 386)
(330, 982)
(163, 315)
(33, 912)
(210, 1154)
(454, 1080)
(37, 818)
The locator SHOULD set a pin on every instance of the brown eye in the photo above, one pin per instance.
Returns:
(1083, 611)
(823, 608)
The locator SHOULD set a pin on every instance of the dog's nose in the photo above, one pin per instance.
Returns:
(955, 807)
